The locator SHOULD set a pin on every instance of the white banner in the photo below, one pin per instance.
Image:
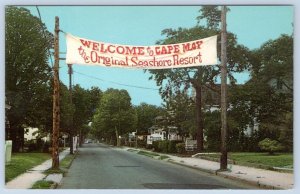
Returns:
(187, 54)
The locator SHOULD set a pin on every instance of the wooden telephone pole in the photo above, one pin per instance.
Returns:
(71, 102)
(223, 159)
(56, 109)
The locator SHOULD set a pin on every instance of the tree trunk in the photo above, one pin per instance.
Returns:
(14, 138)
(199, 123)
(118, 139)
(21, 137)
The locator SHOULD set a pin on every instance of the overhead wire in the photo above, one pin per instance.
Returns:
(49, 53)
(117, 83)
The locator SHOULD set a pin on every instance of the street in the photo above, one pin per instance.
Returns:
(98, 166)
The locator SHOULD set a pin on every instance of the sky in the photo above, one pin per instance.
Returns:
(142, 25)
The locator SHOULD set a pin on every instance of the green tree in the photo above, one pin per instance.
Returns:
(94, 95)
(267, 98)
(212, 130)
(182, 79)
(28, 75)
(66, 109)
(180, 112)
(80, 101)
(85, 102)
(114, 115)
(146, 114)
(211, 15)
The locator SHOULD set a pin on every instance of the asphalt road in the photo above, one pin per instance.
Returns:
(99, 166)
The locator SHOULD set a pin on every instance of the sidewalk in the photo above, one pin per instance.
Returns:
(263, 178)
(26, 180)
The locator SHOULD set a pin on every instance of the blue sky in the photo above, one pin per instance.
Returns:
(142, 25)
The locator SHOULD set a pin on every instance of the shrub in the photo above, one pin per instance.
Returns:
(149, 146)
(163, 146)
(142, 143)
(155, 146)
(180, 148)
(270, 146)
(32, 147)
(172, 146)
(46, 147)
(166, 146)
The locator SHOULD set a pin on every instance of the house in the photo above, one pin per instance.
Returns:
(155, 134)
(173, 133)
(33, 134)
(158, 133)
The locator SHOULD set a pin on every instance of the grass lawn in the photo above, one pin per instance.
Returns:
(264, 159)
(260, 160)
(149, 154)
(21, 162)
(42, 184)
(64, 165)
(67, 161)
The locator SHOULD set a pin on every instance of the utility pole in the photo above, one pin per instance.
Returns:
(223, 159)
(71, 103)
(56, 109)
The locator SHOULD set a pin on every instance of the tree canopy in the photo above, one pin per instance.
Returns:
(184, 79)
(28, 74)
(114, 115)
(266, 100)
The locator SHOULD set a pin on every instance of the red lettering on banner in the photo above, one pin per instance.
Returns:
(192, 46)
(95, 46)
(176, 48)
(168, 49)
(85, 43)
(120, 50)
(109, 49)
(186, 54)
(82, 53)
(94, 57)
(102, 49)
(130, 51)
(187, 60)
(140, 50)
(150, 63)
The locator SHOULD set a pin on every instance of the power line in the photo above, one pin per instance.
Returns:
(44, 35)
(117, 83)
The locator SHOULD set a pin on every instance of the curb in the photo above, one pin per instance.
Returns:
(254, 183)
(193, 167)
(218, 173)
(55, 185)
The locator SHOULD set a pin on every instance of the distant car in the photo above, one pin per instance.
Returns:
(88, 141)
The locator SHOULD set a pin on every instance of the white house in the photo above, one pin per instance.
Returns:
(33, 133)
(161, 134)
(155, 135)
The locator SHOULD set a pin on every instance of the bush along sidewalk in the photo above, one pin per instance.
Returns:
(54, 177)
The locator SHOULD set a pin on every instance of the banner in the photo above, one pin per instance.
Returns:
(187, 54)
